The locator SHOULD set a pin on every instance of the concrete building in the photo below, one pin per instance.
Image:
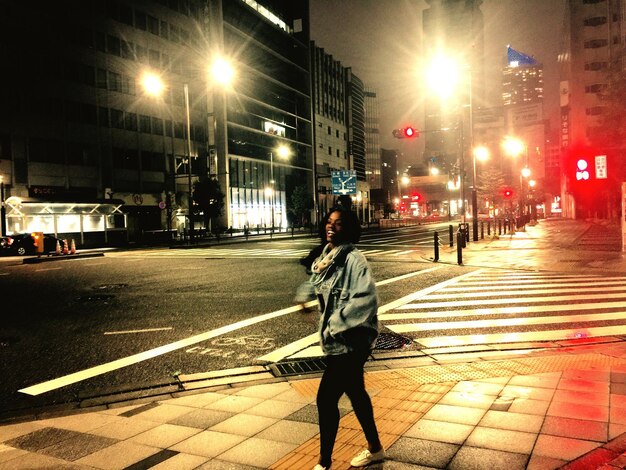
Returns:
(592, 53)
(372, 141)
(77, 125)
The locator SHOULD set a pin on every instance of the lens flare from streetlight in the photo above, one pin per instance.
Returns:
(222, 71)
(481, 153)
(513, 146)
(442, 76)
(283, 151)
(152, 84)
(525, 172)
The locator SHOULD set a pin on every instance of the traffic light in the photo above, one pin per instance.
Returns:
(582, 169)
(405, 133)
(508, 193)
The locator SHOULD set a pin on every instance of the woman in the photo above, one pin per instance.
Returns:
(348, 328)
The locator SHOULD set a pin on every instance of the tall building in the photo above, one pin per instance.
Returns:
(522, 79)
(80, 135)
(339, 115)
(453, 29)
(372, 140)
(591, 62)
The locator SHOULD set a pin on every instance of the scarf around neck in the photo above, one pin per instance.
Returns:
(327, 259)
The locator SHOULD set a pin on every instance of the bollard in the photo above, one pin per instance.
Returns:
(482, 230)
(499, 227)
(451, 235)
(436, 240)
(489, 228)
(467, 234)
(459, 247)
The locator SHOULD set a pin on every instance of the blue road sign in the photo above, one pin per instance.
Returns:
(344, 181)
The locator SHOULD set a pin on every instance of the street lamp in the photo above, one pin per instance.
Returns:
(3, 210)
(516, 147)
(282, 152)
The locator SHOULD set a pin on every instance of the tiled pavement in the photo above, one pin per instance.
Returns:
(559, 408)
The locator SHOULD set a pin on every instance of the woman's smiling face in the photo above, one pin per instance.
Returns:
(334, 234)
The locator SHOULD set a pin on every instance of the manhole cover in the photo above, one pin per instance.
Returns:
(391, 341)
(309, 366)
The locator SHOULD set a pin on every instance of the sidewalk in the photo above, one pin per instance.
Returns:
(563, 407)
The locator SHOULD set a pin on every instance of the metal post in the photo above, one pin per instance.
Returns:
(189, 173)
(451, 235)
(3, 211)
(272, 186)
(482, 230)
(459, 246)
(436, 241)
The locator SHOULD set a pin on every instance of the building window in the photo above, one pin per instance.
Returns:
(130, 121)
(157, 126)
(115, 81)
(153, 25)
(113, 45)
(142, 53)
(596, 43)
(140, 20)
(595, 66)
(329, 130)
(594, 110)
(330, 150)
(103, 117)
(117, 119)
(596, 88)
(144, 124)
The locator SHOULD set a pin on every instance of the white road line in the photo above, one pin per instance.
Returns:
(515, 286)
(502, 322)
(69, 379)
(405, 252)
(499, 311)
(145, 330)
(465, 340)
(522, 300)
(502, 293)
(46, 269)
(4, 274)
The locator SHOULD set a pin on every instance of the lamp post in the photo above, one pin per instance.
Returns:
(516, 147)
(478, 153)
(3, 210)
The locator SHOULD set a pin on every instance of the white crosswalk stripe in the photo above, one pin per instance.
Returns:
(497, 307)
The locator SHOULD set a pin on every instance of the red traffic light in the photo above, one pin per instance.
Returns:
(582, 172)
(508, 193)
(405, 133)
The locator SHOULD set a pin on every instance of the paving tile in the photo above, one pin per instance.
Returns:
(223, 465)
(502, 439)
(293, 396)
(512, 421)
(201, 419)
(307, 414)
(616, 430)
(181, 462)
(584, 385)
(257, 452)
(196, 400)
(533, 393)
(562, 447)
(618, 388)
(293, 432)
(244, 424)
(575, 428)
(618, 401)
(395, 465)
(468, 399)
(164, 413)
(580, 411)
(30, 461)
(81, 422)
(264, 391)
(548, 380)
(165, 435)
(531, 407)
(12, 431)
(485, 388)
(487, 459)
(422, 452)
(208, 443)
(455, 414)
(452, 433)
(588, 374)
(8, 453)
(118, 456)
(78, 446)
(577, 396)
(618, 415)
(618, 377)
(539, 462)
(234, 404)
(274, 408)
(41, 438)
(124, 428)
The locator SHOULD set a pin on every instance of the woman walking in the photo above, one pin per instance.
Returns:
(348, 329)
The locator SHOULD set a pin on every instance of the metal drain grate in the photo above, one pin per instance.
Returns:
(309, 366)
(391, 341)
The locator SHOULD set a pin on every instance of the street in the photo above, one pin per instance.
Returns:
(136, 319)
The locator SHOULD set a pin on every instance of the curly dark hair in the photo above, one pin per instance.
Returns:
(351, 226)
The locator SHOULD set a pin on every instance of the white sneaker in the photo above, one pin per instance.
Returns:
(365, 457)
(319, 467)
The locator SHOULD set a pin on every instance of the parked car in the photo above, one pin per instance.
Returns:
(24, 244)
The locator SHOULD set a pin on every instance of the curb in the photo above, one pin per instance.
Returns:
(41, 259)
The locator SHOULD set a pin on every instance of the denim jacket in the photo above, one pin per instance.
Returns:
(348, 305)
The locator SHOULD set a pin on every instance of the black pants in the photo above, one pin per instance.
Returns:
(344, 374)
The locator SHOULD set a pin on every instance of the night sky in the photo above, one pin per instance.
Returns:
(382, 41)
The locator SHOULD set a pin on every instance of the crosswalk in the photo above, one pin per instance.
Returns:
(504, 307)
(286, 253)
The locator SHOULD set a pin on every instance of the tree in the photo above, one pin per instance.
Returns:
(489, 185)
(299, 205)
(208, 199)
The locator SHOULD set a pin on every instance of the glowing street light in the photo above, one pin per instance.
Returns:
(152, 84)
(222, 71)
